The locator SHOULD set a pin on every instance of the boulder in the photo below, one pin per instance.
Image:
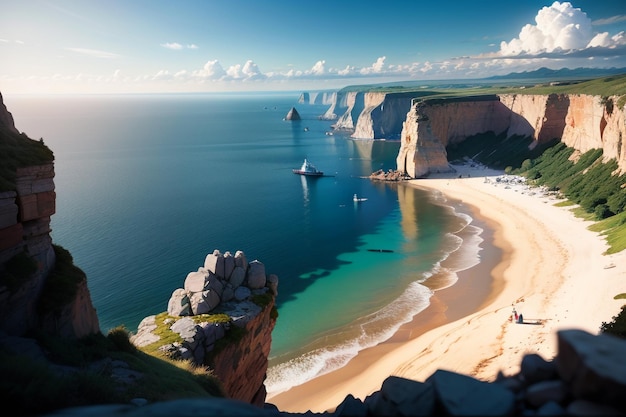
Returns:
(196, 281)
(204, 302)
(256, 275)
(179, 303)
(240, 260)
(229, 264)
(237, 277)
(214, 262)
(242, 293)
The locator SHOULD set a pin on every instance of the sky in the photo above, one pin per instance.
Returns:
(158, 46)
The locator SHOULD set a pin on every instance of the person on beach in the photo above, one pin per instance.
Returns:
(521, 319)
(514, 314)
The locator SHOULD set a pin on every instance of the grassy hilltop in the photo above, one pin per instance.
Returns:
(604, 86)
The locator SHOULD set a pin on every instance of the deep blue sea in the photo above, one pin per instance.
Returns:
(148, 185)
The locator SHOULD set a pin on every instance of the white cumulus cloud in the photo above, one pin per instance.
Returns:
(247, 71)
(376, 68)
(251, 71)
(562, 29)
(559, 27)
(212, 70)
(319, 68)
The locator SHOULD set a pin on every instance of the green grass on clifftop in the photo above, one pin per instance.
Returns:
(606, 86)
(18, 151)
(83, 376)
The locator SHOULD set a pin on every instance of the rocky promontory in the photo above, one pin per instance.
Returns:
(226, 292)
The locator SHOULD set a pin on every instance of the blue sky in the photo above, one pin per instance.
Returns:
(115, 46)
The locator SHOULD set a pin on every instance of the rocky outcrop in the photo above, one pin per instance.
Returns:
(6, 118)
(421, 152)
(231, 286)
(293, 114)
(587, 377)
(25, 238)
(388, 176)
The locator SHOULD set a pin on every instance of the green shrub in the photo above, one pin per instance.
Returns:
(62, 284)
(602, 211)
(120, 338)
(617, 327)
(18, 151)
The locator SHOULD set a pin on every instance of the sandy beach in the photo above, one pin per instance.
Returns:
(552, 270)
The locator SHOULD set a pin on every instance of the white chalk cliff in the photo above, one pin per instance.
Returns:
(426, 127)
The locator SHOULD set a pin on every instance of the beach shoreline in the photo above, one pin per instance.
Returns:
(548, 263)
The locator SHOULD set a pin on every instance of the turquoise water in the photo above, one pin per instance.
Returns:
(148, 185)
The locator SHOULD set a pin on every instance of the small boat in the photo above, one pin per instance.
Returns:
(308, 168)
(358, 199)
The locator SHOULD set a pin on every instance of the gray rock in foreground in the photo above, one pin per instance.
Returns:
(587, 377)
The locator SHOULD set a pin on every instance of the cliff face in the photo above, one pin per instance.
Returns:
(318, 97)
(25, 231)
(382, 116)
(426, 127)
(349, 105)
(242, 367)
(596, 123)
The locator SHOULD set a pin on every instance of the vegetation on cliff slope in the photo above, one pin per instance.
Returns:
(589, 182)
(616, 327)
(81, 372)
(18, 151)
(61, 286)
(586, 180)
(496, 151)
(594, 188)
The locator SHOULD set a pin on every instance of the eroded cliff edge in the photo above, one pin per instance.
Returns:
(425, 127)
(28, 259)
(582, 122)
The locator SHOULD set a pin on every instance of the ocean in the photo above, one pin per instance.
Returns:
(148, 185)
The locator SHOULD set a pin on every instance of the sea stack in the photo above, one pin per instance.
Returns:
(293, 114)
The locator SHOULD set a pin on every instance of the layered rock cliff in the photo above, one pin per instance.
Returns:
(427, 126)
(583, 122)
(25, 210)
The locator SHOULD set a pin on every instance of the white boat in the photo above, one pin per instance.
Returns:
(358, 199)
(308, 168)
